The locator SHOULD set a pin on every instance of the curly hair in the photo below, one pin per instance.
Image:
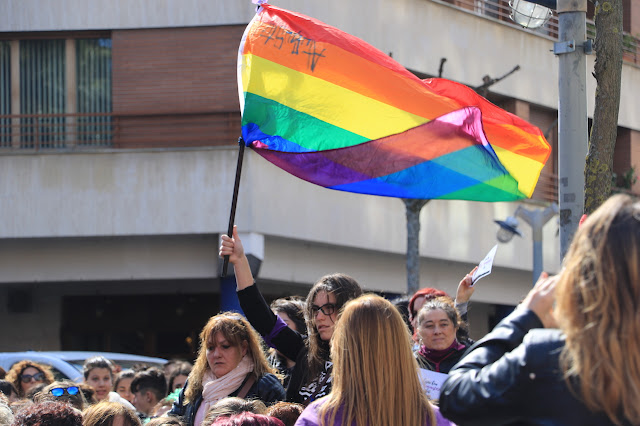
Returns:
(287, 412)
(598, 305)
(235, 329)
(15, 373)
(48, 413)
(344, 288)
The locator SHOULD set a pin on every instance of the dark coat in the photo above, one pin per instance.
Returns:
(267, 389)
(512, 376)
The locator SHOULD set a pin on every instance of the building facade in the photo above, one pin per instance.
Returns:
(118, 130)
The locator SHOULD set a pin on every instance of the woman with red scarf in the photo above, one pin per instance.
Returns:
(437, 323)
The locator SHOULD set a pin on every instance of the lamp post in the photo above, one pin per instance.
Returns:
(572, 110)
(536, 219)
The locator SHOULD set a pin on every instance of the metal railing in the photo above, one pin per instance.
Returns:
(37, 132)
(500, 10)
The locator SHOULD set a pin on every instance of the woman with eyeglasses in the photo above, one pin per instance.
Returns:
(63, 391)
(311, 376)
(230, 363)
(26, 374)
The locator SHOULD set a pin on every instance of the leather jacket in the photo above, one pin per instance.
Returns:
(512, 376)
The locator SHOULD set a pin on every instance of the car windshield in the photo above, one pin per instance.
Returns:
(119, 365)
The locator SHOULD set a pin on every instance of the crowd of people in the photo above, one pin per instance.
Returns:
(566, 355)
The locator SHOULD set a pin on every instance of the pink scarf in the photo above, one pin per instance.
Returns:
(215, 388)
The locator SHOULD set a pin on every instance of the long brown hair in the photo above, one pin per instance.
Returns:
(344, 288)
(598, 308)
(235, 329)
(375, 375)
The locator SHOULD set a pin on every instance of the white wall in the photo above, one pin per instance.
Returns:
(91, 217)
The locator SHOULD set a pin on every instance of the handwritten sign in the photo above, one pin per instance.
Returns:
(431, 382)
(484, 267)
(297, 44)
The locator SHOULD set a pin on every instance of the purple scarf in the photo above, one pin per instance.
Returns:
(437, 355)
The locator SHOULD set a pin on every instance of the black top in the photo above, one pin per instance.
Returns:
(291, 344)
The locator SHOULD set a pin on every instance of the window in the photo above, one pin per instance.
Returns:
(64, 93)
(93, 71)
(42, 93)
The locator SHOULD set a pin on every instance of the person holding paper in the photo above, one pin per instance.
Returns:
(461, 303)
(572, 363)
(438, 324)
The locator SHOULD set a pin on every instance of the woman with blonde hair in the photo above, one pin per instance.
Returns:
(26, 374)
(586, 372)
(375, 376)
(230, 363)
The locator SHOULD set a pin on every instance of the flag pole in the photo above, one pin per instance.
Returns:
(234, 201)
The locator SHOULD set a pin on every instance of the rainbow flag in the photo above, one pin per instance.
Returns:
(331, 109)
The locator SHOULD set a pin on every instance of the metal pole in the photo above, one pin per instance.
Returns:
(572, 116)
(537, 219)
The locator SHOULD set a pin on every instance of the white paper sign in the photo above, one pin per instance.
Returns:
(484, 267)
(432, 382)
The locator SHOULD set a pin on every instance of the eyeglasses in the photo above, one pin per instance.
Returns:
(71, 390)
(327, 309)
(26, 378)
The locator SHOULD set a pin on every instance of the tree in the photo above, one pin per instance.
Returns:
(608, 74)
(413, 207)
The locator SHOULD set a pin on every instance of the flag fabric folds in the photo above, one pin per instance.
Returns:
(333, 110)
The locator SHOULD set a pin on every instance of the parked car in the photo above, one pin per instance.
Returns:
(68, 364)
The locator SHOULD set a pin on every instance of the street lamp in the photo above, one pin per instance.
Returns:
(536, 219)
(528, 14)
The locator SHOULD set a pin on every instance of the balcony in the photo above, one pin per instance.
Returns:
(49, 132)
(500, 10)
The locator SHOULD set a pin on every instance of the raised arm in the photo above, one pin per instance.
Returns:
(274, 331)
(232, 247)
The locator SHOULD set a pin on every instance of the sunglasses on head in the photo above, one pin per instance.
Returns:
(71, 390)
(26, 378)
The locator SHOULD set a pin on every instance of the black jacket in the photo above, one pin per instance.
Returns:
(267, 389)
(512, 376)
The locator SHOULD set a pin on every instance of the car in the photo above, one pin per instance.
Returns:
(68, 364)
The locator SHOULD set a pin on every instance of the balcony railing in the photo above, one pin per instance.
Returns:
(500, 10)
(38, 132)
